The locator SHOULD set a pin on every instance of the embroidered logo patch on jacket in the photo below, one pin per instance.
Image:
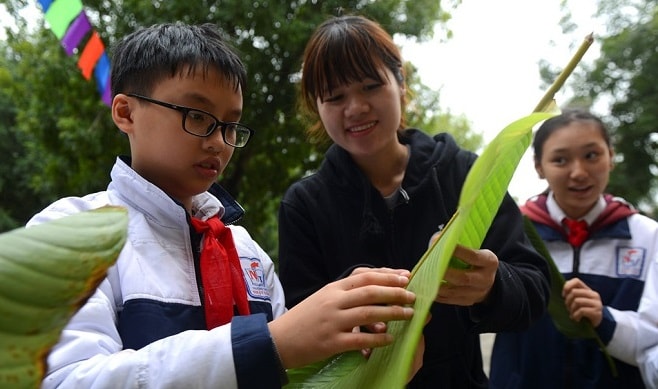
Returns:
(630, 261)
(254, 277)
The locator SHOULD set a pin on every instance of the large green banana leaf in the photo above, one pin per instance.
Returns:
(482, 193)
(557, 308)
(46, 273)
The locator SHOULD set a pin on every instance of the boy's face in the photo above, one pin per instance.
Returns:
(181, 164)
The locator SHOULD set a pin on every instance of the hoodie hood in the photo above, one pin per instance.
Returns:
(426, 153)
(428, 156)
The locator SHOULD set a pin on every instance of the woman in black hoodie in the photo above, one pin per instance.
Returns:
(383, 191)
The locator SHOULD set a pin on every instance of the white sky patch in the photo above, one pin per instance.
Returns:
(489, 70)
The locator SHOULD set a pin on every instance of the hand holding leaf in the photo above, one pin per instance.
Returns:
(582, 302)
(471, 285)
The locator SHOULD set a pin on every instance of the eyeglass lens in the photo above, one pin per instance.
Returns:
(236, 135)
(199, 123)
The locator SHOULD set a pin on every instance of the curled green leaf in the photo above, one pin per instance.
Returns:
(47, 272)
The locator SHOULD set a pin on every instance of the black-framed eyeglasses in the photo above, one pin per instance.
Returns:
(201, 123)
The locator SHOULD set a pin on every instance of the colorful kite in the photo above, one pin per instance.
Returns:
(71, 26)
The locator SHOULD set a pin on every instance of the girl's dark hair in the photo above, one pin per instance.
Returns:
(143, 58)
(565, 118)
(342, 50)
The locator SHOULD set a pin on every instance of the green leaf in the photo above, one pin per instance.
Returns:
(483, 191)
(47, 272)
(557, 307)
(325, 373)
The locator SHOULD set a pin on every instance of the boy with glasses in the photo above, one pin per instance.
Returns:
(192, 300)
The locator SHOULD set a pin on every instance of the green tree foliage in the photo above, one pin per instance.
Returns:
(68, 142)
(628, 72)
(625, 79)
(65, 140)
(12, 187)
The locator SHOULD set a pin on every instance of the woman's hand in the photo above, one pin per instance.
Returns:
(582, 301)
(469, 286)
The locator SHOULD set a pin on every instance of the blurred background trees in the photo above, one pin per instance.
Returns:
(57, 137)
(621, 85)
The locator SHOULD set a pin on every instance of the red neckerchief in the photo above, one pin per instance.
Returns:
(616, 208)
(221, 273)
(577, 231)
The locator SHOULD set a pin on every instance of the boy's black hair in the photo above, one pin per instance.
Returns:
(151, 54)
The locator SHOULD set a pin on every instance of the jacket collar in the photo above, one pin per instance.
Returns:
(609, 223)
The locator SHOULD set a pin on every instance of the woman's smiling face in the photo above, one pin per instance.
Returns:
(363, 117)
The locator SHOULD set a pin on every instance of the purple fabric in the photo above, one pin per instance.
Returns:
(76, 31)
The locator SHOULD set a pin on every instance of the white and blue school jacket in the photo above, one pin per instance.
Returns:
(615, 261)
(647, 339)
(144, 327)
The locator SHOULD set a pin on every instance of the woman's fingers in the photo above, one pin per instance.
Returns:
(469, 286)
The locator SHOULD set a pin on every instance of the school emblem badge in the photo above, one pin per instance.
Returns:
(254, 276)
(630, 261)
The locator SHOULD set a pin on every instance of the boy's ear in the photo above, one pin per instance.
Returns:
(122, 112)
